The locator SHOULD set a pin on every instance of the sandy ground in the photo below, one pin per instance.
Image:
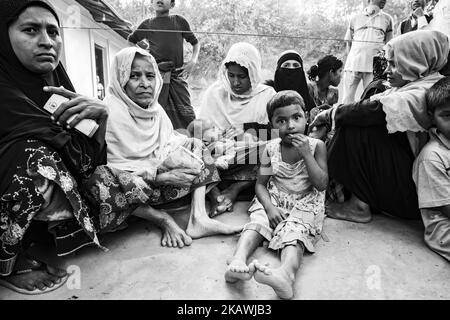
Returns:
(385, 259)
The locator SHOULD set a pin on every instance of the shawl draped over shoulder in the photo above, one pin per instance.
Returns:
(21, 105)
(138, 138)
(223, 107)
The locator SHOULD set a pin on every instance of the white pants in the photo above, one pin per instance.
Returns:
(351, 83)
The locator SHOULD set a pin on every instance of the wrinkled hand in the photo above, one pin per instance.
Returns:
(187, 69)
(145, 174)
(276, 216)
(178, 177)
(85, 108)
(301, 143)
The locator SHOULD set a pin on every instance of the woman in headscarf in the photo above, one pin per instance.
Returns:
(290, 75)
(43, 160)
(149, 164)
(377, 139)
(235, 102)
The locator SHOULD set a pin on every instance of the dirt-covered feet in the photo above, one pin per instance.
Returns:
(238, 270)
(279, 279)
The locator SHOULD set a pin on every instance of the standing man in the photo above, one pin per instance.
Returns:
(164, 36)
(366, 35)
(417, 20)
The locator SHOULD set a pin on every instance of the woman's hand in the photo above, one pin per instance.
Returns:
(177, 177)
(275, 215)
(84, 107)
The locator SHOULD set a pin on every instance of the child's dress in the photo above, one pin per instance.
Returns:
(291, 190)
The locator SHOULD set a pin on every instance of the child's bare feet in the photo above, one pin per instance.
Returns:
(238, 270)
(353, 210)
(279, 279)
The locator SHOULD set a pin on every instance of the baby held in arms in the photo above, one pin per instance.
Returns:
(221, 147)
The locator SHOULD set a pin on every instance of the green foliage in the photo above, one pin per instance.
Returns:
(309, 20)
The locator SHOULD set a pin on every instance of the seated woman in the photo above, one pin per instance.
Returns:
(237, 99)
(377, 139)
(290, 75)
(43, 160)
(150, 164)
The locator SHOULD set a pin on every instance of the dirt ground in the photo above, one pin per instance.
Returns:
(385, 259)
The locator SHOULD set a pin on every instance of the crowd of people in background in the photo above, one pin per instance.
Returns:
(285, 144)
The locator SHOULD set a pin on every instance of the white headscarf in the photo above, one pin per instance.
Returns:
(223, 107)
(137, 138)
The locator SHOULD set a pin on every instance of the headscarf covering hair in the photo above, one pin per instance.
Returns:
(247, 56)
(292, 79)
(137, 137)
(223, 107)
(22, 98)
(418, 56)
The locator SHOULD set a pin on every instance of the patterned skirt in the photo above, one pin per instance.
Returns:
(40, 180)
(118, 193)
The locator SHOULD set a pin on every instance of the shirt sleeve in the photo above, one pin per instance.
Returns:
(433, 184)
(140, 33)
(188, 35)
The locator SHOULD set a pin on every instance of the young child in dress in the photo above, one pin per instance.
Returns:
(289, 206)
(431, 171)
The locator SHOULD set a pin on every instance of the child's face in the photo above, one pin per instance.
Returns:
(441, 118)
(162, 5)
(289, 120)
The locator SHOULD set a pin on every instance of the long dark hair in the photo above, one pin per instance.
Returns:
(323, 66)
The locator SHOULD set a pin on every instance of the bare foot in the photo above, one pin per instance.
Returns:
(238, 270)
(172, 235)
(226, 199)
(38, 279)
(204, 227)
(278, 279)
(213, 195)
(353, 210)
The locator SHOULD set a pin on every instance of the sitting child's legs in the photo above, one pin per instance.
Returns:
(282, 279)
(237, 267)
(254, 233)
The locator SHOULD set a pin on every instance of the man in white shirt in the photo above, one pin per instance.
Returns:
(417, 20)
(366, 35)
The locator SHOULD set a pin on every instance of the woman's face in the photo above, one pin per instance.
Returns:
(335, 77)
(393, 75)
(291, 64)
(140, 88)
(36, 41)
(239, 79)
